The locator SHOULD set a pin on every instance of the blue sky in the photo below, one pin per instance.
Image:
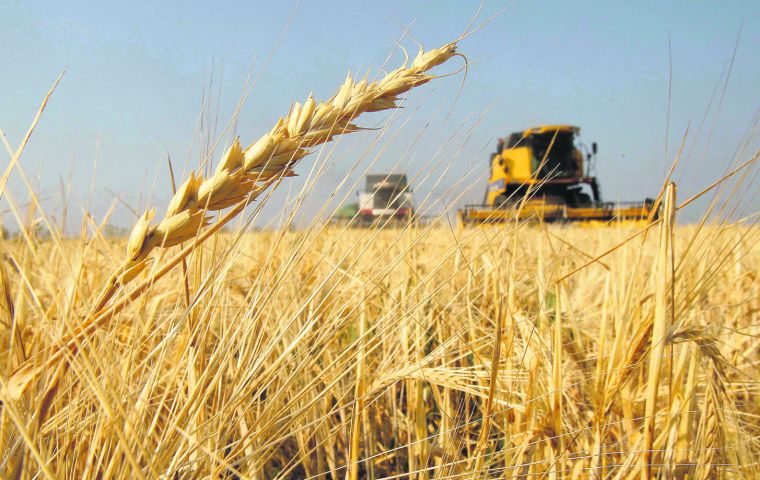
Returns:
(137, 72)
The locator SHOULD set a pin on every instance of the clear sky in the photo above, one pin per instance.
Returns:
(138, 72)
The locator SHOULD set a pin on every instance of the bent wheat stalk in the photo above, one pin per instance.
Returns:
(240, 177)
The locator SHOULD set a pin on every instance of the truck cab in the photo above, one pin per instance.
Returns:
(386, 195)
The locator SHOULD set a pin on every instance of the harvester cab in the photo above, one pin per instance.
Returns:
(545, 159)
(543, 173)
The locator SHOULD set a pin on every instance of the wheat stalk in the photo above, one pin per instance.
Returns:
(243, 174)
(240, 177)
(659, 328)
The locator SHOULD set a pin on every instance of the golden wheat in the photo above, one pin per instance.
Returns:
(378, 354)
(240, 177)
(512, 351)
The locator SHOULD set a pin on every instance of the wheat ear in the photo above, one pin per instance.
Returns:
(240, 177)
(243, 174)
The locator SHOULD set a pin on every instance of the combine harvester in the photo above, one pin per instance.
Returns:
(386, 200)
(541, 174)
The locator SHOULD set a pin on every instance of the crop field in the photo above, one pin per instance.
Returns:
(200, 345)
(369, 354)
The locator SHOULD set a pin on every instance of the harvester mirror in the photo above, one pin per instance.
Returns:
(594, 148)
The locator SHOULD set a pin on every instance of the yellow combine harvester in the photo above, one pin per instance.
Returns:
(541, 174)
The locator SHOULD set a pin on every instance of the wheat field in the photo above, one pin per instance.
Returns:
(521, 350)
(334, 353)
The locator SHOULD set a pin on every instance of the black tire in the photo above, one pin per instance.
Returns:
(582, 200)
